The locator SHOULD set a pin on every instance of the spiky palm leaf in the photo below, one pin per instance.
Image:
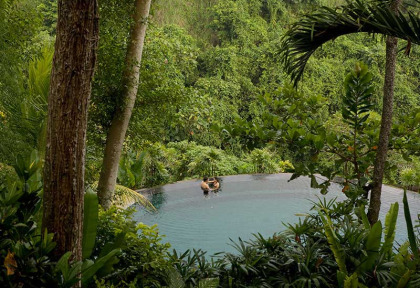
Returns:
(307, 35)
(36, 104)
(125, 197)
(30, 111)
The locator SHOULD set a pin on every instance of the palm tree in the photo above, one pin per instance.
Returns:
(315, 29)
(307, 35)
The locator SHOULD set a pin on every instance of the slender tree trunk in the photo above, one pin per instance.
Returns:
(119, 124)
(70, 87)
(386, 123)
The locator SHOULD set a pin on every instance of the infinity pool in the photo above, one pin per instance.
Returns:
(246, 204)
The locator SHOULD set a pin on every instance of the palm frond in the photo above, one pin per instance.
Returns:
(39, 77)
(307, 35)
(124, 197)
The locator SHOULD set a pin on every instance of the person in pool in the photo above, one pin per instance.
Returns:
(216, 184)
(205, 184)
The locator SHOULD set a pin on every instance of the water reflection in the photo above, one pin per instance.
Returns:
(259, 177)
(205, 193)
(208, 194)
(157, 196)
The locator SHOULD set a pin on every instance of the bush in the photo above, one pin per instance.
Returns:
(192, 160)
(286, 166)
(144, 168)
(263, 161)
(143, 259)
(409, 178)
(158, 164)
(24, 249)
(27, 251)
(7, 173)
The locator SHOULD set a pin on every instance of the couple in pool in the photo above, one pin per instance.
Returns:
(205, 184)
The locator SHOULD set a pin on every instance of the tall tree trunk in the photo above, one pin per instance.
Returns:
(70, 88)
(386, 123)
(119, 124)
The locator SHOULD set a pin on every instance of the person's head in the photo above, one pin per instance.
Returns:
(205, 178)
(216, 180)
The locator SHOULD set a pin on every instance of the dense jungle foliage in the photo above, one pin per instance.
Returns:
(210, 74)
(213, 99)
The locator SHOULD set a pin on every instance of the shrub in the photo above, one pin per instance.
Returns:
(408, 177)
(24, 249)
(192, 160)
(144, 168)
(143, 258)
(158, 164)
(7, 173)
(27, 251)
(286, 166)
(263, 161)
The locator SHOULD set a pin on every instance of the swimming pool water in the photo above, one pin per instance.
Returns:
(246, 204)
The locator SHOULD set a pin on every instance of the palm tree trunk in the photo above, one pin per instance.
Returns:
(70, 88)
(386, 123)
(119, 124)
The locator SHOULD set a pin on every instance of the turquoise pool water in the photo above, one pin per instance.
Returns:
(246, 204)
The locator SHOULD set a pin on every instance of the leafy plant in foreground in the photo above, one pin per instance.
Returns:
(353, 148)
(27, 252)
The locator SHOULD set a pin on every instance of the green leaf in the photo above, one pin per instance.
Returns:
(314, 183)
(390, 224)
(404, 279)
(334, 244)
(90, 222)
(352, 281)
(410, 228)
(175, 279)
(373, 243)
(341, 277)
(362, 214)
(63, 263)
(91, 269)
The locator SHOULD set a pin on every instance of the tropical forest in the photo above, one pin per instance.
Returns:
(210, 143)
